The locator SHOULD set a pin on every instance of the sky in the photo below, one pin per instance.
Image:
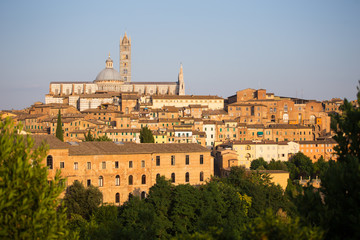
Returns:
(308, 49)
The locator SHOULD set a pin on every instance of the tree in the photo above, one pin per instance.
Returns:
(81, 200)
(259, 163)
(59, 130)
(103, 138)
(89, 137)
(300, 165)
(146, 135)
(277, 165)
(271, 226)
(28, 203)
(341, 182)
(337, 208)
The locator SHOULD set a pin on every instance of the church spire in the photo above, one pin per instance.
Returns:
(181, 84)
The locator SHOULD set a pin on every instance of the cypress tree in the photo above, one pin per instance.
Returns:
(146, 135)
(59, 130)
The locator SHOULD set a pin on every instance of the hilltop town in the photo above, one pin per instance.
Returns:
(189, 130)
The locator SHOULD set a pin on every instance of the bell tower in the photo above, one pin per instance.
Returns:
(181, 84)
(125, 58)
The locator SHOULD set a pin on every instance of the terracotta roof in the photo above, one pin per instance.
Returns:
(246, 104)
(186, 97)
(51, 140)
(110, 148)
(288, 126)
(111, 130)
(325, 141)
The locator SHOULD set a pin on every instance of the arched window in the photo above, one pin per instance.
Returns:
(157, 176)
(49, 162)
(312, 119)
(286, 118)
(117, 198)
(187, 177)
(101, 181)
(130, 180)
(117, 180)
(130, 196)
(173, 177)
(143, 195)
(143, 179)
(201, 176)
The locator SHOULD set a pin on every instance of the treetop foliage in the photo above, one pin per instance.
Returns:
(59, 130)
(146, 135)
(28, 203)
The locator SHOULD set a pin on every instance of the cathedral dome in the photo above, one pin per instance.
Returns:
(109, 73)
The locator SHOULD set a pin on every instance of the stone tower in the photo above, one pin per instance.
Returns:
(181, 83)
(125, 58)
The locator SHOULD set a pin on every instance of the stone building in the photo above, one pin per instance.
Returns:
(121, 170)
(109, 83)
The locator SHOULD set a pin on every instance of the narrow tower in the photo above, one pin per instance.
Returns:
(125, 58)
(181, 83)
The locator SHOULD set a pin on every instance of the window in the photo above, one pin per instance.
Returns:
(157, 176)
(157, 160)
(116, 164)
(172, 160)
(143, 163)
(49, 162)
(76, 165)
(187, 177)
(173, 177)
(201, 159)
(143, 179)
(130, 164)
(88, 164)
(101, 181)
(103, 164)
(187, 159)
(62, 164)
(130, 180)
(117, 180)
(88, 182)
(201, 176)
(117, 198)
(143, 195)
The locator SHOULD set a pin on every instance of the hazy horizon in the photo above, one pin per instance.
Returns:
(307, 49)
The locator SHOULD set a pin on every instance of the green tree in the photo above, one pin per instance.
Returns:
(82, 201)
(271, 226)
(28, 203)
(103, 138)
(277, 165)
(89, 137)
(300, 165)
(320, 167)
(59, 130)
(146, 135)
(259, 163)
(337, 207)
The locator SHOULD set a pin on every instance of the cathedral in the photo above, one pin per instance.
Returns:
(109, 84)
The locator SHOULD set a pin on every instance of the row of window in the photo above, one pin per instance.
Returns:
(187, 160)
(117, 196)
(143, 179)
(49, 162)
(117, 180)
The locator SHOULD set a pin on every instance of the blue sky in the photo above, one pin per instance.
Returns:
(308, 49)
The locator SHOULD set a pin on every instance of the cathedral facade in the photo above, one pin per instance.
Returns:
(109, 84)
